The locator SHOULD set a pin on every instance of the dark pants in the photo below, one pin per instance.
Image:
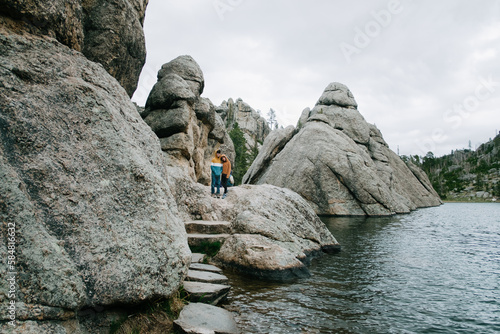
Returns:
(224, 182)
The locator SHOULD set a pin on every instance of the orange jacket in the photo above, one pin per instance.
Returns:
(226, 166)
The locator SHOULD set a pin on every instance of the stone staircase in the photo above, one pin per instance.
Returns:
(200, 231)
(205, 284)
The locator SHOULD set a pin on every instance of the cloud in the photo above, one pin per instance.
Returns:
(413, 66)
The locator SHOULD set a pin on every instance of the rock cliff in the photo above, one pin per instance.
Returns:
(106, 31)
(82, 182)
(254, 126)
(187, 124)
(340, 163)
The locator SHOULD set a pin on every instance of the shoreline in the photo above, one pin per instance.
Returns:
(469, 200)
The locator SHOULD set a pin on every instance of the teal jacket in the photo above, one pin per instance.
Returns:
(216, 166)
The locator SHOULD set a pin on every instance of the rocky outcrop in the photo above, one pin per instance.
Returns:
(274, 143)
(113, 36)
(106, 31)
(340, 164)
(82, 181)
(273, 233)
(188, 127)
(254, 127)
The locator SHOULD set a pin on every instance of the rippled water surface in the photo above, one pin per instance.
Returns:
(436, 270)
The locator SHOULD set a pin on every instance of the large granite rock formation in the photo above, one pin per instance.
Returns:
(188, 126)
(339, 163)
(113, 36)
(254, 127)
(106, 31)
(82, 181)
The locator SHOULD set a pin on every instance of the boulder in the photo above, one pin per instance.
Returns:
(82, 180)
(303, 117)
(188, 69)
(187, 124)
(106, 31)
(274, 143)
(340, 164)
(205, 319)
(274, 232)
(113, 36)
(169, 90)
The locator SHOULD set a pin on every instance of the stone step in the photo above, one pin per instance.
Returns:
(205, 267)
(208, 293)
(198, 239)
(197, 318)
(197, 258)
(207, 227)
(206, 277)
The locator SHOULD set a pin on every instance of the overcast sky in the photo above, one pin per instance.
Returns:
(427, 73)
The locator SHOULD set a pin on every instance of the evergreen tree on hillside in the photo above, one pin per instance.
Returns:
(273, 123)
(463, 169)
(496, 189)
(242, 160)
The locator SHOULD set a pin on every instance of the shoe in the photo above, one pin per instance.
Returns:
(217, 195)
(224, 196)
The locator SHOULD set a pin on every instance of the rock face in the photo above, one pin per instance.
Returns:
(188, 127)
(113, 36)
(274, 232)
(82, 181)
(255, 128)
(341, 164)
(106, 31)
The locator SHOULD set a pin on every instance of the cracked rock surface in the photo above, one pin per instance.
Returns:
(340, 163)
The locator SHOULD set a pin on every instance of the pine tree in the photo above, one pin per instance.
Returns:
(242, 159)
(273, 123)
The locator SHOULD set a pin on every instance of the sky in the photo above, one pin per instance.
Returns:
(426, 73)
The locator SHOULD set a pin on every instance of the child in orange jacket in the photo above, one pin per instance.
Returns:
(226, 172)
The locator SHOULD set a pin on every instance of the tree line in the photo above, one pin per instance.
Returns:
(463, 169)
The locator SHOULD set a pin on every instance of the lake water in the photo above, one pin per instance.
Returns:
(435, 270)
